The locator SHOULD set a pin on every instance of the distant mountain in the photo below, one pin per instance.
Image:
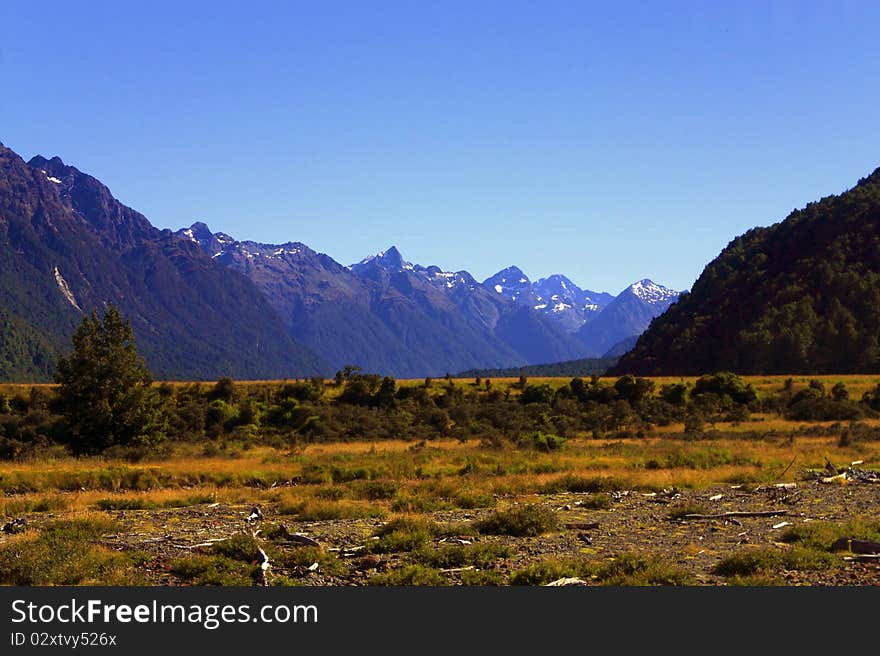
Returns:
(389, 315)
(68, 246)
(556, 297)
(627, 316)
(512, 284)
(205, 305)
(622, 347)
(799, 297)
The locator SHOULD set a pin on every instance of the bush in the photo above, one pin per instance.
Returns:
(403, 534)
(822, 535)
(632, 569)
(214, 570)
(632, 389)
(546, 571)
(458, 555)
(577, 484)
(304, 557)
(239, 547)
(520, 521)
(66, 552)
(725, 384)
(764, 561)
(482, 577)
(540, 441)
(675, 393)
(596, 502)
(536, 394)
(377, 490)
(409, 575)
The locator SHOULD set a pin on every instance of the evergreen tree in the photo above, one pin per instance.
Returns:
(105, 389)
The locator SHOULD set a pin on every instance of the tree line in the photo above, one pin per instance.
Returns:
(106, 402)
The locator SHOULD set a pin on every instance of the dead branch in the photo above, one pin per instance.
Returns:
(264, 567)
(856, 546)
(456, 570)
(785, 471)
(737, 513)
(564, 582)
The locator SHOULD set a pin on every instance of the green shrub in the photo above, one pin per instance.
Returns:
(764, 561)
(403, 534)
(482, 577)
(458, 555)
(418, 504)
(306, 556)
(633, 569)
(409, 575)
(214, 570)
(519, 521)
(596, 502)
(541, 441)
(239, 547)
(376, 490)
(821, 535)
(546, 571)
(66, 552)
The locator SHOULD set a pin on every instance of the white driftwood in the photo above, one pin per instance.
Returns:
(456, 570)
(264, 567)
(563, 582)
(737, 513)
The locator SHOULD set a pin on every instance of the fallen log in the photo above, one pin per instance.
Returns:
(865, 547)
(456, 570)
(303, 540)
(200, 545)
(737, 513)
(565, 582)
(582, 526)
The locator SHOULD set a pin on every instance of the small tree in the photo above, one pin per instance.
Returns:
(105, 389)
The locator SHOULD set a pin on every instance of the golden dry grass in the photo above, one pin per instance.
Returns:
(444, 473)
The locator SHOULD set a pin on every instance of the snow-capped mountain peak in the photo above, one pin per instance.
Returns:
(555, 296)
(389, 259)
(650, 292)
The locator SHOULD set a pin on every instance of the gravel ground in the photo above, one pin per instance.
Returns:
(635, 522)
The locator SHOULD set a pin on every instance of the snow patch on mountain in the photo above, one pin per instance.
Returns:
(65, 289)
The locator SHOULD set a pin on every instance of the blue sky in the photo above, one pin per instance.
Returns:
(609, 143)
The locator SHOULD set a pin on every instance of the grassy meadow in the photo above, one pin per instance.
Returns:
(403, 498)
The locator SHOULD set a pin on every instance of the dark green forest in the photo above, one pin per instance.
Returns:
(801, 296)
(582, 367)
(25, 355)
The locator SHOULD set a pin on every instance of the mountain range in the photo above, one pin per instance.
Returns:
(67, 246)
(387, 314)
(205, 305)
